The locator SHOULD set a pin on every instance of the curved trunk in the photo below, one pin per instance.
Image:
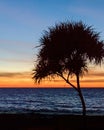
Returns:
(81, 96)
(78, 90)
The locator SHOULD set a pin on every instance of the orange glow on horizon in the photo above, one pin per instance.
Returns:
(24, 80)
(28, 83)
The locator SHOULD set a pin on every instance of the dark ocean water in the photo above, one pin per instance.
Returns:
(51, 101)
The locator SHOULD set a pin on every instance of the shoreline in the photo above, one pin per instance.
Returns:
(50, 122)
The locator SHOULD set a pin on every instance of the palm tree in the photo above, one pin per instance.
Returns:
(66, 50)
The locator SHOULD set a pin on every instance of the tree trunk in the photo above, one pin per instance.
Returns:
(81, 96)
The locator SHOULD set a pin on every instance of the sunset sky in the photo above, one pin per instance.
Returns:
(22, 23)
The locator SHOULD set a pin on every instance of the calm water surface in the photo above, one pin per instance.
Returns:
(52, 101)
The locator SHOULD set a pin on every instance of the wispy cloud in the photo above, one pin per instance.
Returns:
(9, 74)
(15, 60)
(16, 51)
(93, 80)
(16, 46)
(15, 75)
(98, 74)
(16, 79)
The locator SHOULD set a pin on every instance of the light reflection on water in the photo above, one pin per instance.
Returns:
(51, 101)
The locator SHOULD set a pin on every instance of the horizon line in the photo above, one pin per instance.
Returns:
(48, 87)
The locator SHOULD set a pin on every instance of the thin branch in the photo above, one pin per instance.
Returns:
(68, 76)
(67, 81)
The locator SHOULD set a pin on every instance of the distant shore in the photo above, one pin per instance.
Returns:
(49, 122)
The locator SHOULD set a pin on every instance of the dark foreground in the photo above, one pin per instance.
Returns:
(50, 122)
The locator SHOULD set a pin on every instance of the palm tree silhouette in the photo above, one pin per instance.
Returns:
(66, 50)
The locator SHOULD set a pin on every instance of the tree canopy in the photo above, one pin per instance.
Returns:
(68, 48)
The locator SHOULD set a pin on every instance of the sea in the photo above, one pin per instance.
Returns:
(51, 101)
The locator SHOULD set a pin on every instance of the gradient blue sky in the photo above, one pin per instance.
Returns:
(22, 23)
